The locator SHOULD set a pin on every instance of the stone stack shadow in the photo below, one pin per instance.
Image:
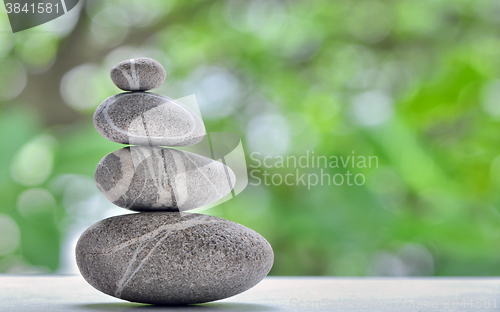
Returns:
(163, 255)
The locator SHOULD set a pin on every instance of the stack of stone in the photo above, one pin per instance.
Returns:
(163, 255)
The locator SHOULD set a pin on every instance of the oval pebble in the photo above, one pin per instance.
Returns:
(138, 74)
(144, 178)
(143, 118)
(172, 258)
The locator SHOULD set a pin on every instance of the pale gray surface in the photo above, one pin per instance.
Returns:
(72, 293)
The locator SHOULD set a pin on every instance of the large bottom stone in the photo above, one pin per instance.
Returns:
(172, 258)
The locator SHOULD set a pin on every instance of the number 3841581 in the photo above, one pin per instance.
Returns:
(40, 8)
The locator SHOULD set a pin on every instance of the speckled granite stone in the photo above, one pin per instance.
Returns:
(172, 258)
(143, 118)
(143, 178)
(138, 74)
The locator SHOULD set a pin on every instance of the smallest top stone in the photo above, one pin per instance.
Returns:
(138, 74)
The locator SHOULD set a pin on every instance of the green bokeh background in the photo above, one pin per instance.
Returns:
(414, 83)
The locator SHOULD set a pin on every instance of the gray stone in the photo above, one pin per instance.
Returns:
(143, 118)
(172, 258)
(138, 74)
(145, 178)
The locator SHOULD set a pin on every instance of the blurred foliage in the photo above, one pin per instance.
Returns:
(415, 83)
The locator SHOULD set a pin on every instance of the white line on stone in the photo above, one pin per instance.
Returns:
(140, 193)
(160, 180)
(120, 286)
(130, 80)
(120, 290)
(137, 82)
(180, 179)
(123, 184)
(179, 226)
(133, 81)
